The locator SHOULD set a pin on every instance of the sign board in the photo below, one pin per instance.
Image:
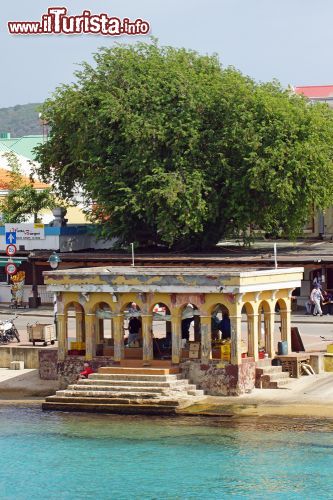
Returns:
(11, 250)
(10, 237)
(10, 268)
(26, 231)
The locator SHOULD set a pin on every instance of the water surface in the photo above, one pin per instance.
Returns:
(69, 456)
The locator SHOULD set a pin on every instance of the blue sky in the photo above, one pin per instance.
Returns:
(290, 40)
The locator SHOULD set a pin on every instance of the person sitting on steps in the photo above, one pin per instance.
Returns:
(87, 370)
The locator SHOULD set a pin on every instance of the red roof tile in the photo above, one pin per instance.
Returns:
(5, 180)
(316, 91)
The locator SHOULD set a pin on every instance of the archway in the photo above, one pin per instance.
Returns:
(161, 331)
(220, 326)
(132, 327)
(265, 329)
(190, 323)
(75, 331)
(103, 328)
(281, 331)
(249, 332)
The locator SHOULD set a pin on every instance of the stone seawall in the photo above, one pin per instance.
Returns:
(220, 381)
(69, 370)
(28, 354)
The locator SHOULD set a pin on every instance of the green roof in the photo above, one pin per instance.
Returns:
(22, 145)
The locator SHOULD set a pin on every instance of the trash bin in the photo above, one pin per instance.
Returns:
(283, 348)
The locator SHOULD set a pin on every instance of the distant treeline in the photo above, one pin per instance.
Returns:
(20, 120)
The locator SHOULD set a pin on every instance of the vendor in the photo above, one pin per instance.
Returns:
(225, 326)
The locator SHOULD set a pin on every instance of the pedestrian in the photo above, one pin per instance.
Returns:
(134, 330)
(316, 297)
(225, 326)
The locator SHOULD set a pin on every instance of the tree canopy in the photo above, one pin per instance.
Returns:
(172, 148)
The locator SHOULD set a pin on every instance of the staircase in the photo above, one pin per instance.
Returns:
(127, 390)
(270, 377)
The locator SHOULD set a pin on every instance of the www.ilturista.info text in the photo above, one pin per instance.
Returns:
(57, 22)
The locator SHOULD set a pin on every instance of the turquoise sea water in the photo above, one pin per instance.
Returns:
(70, 456)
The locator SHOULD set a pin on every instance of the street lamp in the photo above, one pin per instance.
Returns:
(54, 260)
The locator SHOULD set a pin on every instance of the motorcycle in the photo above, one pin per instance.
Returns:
(8, 331)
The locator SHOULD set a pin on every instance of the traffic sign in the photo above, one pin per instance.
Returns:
(10, 238)
(10, 268)
(11, 250)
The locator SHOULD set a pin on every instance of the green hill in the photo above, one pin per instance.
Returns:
(20, 120)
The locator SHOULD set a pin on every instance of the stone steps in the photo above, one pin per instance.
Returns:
(123, 409)
(137, 387)
(134, 378)
(271, 377)
(138, 371)
(124, 390)
(140, 383)
(118, 400)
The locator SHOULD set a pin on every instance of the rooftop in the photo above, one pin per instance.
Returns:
(23, 146)
(172, 279)
(5, 181)
(316, 91)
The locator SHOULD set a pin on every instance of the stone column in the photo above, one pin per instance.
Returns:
(118, 337)
(269, 333)
(252, 330)
(286, 327)
(90, 336)
(147, 337)
(62, 337)
(236, 339)
(206, 339)
(176, 339)
(168, 328)
(79, 326)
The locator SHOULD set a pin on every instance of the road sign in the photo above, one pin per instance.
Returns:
(11, 250)
(10, 268)
(10, 238)
(26, 231)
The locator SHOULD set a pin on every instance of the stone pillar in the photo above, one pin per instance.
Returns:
(269, 333)
(90, 336)
(118, 337)
(197, 329)
(79, 326)
(206, 339)
(286, 327)
(168, 329)
(62, 337)
(176, 339)
(252, 330)
(259, 327)
(236, 338)
(147, 337)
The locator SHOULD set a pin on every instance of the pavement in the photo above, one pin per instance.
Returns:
(309, 397)
(24, 385)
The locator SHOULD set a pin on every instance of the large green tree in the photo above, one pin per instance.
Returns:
(173, 148)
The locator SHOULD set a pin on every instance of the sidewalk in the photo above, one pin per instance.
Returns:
(41, 311)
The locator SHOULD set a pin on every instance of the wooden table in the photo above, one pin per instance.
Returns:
(292, 363)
